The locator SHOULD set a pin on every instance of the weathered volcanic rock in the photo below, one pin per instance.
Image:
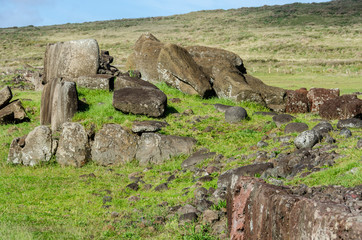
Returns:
(235, 114)
(297, 101)
(323, 128)
(59, 103)
(113, 145)
(257, 210)
(307, 139)
(282, 119)
(229, 178)
(196, 158)
(146, 101)
(157, 148)
(5, 96)
(33, 149)
(125, 81)
(148, 126)
(318, 96)
(295, 127)
(350, 123)
(178, 69)
(97, 81)
(13, 112)
(343, 107)
(71, 59)
(73, 149)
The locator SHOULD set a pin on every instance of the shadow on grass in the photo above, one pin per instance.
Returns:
(82, 106)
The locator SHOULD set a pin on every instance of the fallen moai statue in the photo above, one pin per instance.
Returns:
(202, 70)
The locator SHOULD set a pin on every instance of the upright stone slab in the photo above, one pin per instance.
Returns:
(59, 103)
(71, 59)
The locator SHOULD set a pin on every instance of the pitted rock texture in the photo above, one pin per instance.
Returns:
(318, 96)
(113, 146)
(32, 149)
(73, 149)
(157, 148)
(307, 139)
(343, 107)
(297, 101)
(257, 210)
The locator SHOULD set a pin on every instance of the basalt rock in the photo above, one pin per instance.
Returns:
(14, 112)
(113, 146)
(257, 210)
(297, 101)
(32, 149)
(5, 96)
(73, 149)
(157, 148)
(318, 96)
(343, 107)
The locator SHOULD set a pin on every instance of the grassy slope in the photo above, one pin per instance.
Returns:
(49, 202)
(289, 46)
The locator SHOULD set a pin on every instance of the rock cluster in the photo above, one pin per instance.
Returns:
(201, 70)
(112, 145)
(10, 111)
(326, 102)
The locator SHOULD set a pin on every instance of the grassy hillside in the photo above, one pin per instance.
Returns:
(289, 46)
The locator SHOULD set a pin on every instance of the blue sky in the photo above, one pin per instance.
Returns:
(49, 12)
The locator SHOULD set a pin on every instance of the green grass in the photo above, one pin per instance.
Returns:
(51, 202)
(291, 46)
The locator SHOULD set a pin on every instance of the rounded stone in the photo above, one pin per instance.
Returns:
(295, 127)
(235, 114)
(345, 132)
(307, 139)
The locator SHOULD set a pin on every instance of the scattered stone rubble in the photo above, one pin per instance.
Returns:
(10, 111)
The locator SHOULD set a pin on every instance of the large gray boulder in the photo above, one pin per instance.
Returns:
(59, 103)
(5, 96)
(33, 149)
(157, 148)
(113, 146)
(71, 59)
(235, 114)
(146, 101)
(73, 149)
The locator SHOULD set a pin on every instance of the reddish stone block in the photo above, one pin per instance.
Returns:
(318, 96)
(297, 101)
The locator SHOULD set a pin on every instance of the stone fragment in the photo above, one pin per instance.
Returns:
(307, 139)
(297, 101)
(36, 147)
(145, 101)
(350, 123)
(156, 148)
(73, 149)
(318, 96)
(345, 132)
(98, 81)
(295, 127)
(323, 128)
(210, 216)
(196, 158)
(282, 119)
(285, 215)
(148, 126)
(235, 114)
(161, 187)
(113, 146)
(5, 96)
(14, 112)
(343, 107)
(125, 81)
